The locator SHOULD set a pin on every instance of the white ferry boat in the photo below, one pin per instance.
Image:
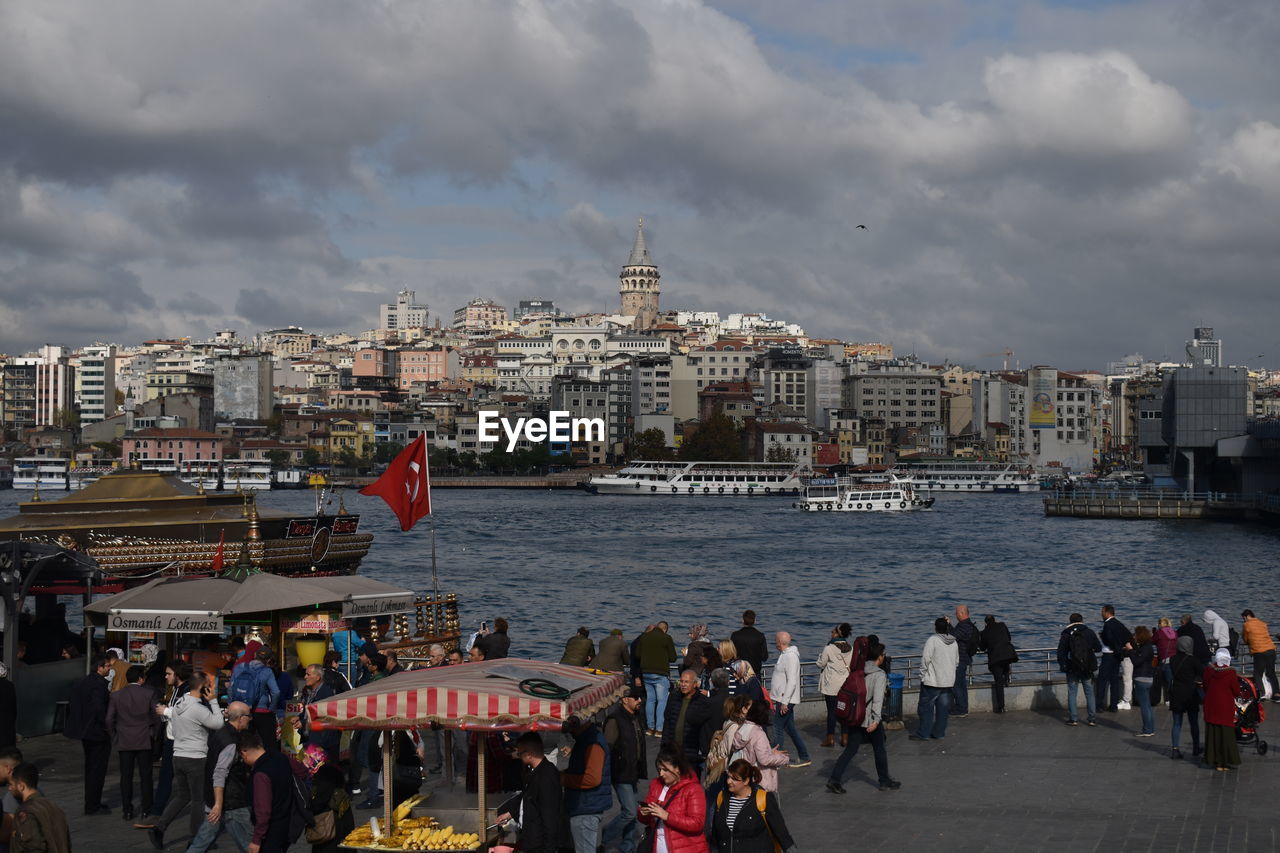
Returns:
(700, 478)
(47, 472)
(245, 476)
(962, 476)
(201, 473)
(856, 494)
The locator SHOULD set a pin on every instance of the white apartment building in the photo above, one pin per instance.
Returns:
(404, 313)
(96, 383)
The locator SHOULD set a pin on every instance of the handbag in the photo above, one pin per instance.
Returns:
(324, 828)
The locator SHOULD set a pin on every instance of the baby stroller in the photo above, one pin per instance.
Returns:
(1249, 715)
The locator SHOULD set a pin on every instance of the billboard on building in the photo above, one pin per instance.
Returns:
(1043, 386)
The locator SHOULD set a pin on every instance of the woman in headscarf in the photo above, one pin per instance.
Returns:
(1184, 694)
(833, 661)
(746, 683)
(328, 794)
(1221, 687)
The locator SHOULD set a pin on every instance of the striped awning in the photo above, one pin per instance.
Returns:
(484, 695)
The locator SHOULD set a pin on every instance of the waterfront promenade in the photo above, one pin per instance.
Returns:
(1020, 781)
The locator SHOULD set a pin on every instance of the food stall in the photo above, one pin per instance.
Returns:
(506, 694)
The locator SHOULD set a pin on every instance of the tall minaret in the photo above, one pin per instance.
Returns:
(639, 287)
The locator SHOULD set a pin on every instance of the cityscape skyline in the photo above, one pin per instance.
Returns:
(1073, 182)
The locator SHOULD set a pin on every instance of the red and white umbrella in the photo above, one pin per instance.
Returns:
(491, 695)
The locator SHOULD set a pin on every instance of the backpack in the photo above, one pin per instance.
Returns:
(246, 687)
(851, 699)
(719, 753)
(1080, 657)
(761, 799)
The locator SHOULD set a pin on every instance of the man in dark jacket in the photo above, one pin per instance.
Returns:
(1079, 672)
(624, 732)
(540, 806)
(587, 782)
(1199, 643)
(497, 644)
(966, 634)
(750, 643)
(87, 723)
(39, 824)
(132, 723)
(687, 711)
(271, 794)
(1117, 642)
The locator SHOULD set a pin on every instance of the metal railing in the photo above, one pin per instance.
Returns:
(1118, 492)
(1034, 666)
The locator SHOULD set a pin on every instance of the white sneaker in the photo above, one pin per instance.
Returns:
(1124, 706)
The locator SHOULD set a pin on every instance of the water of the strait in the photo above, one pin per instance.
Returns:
(551, 561)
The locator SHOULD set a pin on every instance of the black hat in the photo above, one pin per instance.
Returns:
(633, 691)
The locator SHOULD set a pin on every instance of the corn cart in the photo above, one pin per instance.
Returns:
(508, 694)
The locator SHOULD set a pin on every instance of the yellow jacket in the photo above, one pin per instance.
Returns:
(1258, 636)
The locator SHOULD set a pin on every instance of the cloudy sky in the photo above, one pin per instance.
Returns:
(1073, 181)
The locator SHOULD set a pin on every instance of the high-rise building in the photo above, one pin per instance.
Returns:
(404, 313)
(639, 284)
(1204, 350)
(540, 307)
(96, 383)
(39, 389)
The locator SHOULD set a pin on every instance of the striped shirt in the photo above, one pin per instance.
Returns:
(735, 806)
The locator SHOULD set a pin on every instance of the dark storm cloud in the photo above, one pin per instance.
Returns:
(1033, 173)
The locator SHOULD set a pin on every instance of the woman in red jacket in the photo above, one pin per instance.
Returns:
(675, 809)
(1221, 687)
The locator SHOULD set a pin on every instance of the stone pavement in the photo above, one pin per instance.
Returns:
(1021, 781)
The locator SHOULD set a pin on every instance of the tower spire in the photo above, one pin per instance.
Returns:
(640, 252)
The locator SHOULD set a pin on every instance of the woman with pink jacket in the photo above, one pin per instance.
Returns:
(751, 743)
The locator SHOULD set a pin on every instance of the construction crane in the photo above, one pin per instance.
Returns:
(1007, 354)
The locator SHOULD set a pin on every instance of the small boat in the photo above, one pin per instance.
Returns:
(289, 478)
(856, 494)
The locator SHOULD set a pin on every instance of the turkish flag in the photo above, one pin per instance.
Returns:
(217, 555)
(405, 485)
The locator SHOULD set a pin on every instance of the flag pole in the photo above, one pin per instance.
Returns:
(435, 577)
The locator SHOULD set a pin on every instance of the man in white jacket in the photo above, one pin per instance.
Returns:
(938, 665)
(785, 690)
(191, 721)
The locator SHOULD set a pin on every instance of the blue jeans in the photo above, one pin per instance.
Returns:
(785, 724)
(1142, 692)
(1108, 683)
(585, 829)
(856, 738)
(960, 691)
(656, 688)
(933, 708)
(1193, 720)
(237, 824)
(624, 829)
(1072, 683)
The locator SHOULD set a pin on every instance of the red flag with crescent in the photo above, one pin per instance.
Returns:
(218, 555)
(405, 485)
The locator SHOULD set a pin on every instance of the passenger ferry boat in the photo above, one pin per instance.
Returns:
(245, 476)
(681, 479)
(961, 476)
(859, 494)
(202, 473)
(46, 472)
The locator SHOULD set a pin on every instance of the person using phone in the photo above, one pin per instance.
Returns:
(675, 808)
(191, 721)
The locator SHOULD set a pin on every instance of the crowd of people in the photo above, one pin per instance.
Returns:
(718, 735)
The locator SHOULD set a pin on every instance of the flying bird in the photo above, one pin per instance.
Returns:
(863, 227)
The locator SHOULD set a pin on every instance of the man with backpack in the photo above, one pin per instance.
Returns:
(864, 718)
(254, 684)
(1078, 647)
